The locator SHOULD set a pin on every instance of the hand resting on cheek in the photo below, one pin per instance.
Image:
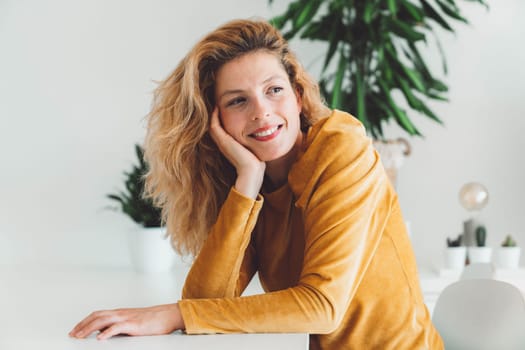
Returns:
(250, 169)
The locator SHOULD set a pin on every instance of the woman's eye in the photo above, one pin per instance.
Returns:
(275, 90)
(236, 101)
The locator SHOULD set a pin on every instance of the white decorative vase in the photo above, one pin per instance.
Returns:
(455, 257)
(392, 154)
(507, 257)
(479, 254)
(150, 250)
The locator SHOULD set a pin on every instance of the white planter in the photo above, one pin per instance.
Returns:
(150, 251)
(455, 257)
(392, 154)
(507, 257)
(479, 254)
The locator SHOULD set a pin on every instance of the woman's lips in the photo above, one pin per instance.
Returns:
(266, 134)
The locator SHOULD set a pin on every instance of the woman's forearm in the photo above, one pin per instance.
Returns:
(216, 271)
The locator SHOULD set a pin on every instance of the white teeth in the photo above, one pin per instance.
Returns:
(265, 132)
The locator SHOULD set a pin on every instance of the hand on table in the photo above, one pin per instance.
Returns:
(155, 320)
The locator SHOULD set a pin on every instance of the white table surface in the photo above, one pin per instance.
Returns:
(40, 305)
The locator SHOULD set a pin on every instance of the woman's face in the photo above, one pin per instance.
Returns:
(258, 106)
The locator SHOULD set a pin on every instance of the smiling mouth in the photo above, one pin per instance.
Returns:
(266, 134)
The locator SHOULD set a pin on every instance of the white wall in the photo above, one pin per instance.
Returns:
(482, 139)
(76, 80)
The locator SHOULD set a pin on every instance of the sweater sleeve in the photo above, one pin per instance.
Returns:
(346, 199)
(226, 263)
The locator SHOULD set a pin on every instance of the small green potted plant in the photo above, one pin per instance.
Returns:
(480, 253)
(455, 254)
(150, 250)
(508, 255)
(131, 201)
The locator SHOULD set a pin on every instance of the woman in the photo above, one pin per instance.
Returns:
(254, 173)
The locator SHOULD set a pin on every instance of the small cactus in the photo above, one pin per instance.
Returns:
(481, 236)
(508, 242)
(455, 242)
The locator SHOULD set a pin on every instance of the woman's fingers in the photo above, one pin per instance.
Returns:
(115, 329)
(218, 134)
(99, 323)
(215, 126)
(80, 326)
(214, 122)
(155, 320)
(96, 321)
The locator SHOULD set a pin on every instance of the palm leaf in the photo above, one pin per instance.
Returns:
(433, 14)
(378, 44)
(338, 83)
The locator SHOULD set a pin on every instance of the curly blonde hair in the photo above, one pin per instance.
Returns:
(188, 177)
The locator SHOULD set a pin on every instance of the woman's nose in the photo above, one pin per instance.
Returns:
(261, 109)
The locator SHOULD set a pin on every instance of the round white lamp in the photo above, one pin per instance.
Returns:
(473, 196)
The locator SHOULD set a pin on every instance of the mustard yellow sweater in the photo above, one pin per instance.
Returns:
(330, 248)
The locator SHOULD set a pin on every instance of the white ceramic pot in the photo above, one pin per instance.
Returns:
(150, 250)
(507, 257)
(393, 154)
(455, 257)
(479, 254)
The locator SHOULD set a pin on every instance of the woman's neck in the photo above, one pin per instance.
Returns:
(277, 170)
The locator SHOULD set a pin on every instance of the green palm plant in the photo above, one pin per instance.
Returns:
(373, 50)
(132, 201)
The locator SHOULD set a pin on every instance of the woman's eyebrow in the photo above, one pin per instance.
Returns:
(237, 91)
(230, 92)
(273, 77)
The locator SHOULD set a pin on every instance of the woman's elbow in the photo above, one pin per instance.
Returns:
(329, 322)
(327, 314)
